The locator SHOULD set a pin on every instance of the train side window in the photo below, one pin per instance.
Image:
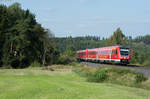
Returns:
(84, 53)
(104, 52)
(89, 53)
(113, 52)
(116, 52)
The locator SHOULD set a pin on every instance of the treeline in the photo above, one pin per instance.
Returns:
(141, 50)
(79, 43)
(23, 40)
(68, 46)
(143, 39)
(140, 54)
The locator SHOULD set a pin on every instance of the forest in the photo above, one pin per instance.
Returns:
(24, 42)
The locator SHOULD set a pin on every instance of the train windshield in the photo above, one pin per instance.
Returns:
(124, 51)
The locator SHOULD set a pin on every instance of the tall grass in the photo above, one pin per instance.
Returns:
(35, 64)
(114, 75)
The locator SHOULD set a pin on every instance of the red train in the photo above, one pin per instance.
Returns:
(112, 54)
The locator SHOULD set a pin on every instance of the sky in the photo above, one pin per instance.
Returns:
(90, 17)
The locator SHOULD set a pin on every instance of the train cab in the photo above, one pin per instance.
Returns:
(125, 56)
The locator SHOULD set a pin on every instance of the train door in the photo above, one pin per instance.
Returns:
(114, 54)
(86, 54)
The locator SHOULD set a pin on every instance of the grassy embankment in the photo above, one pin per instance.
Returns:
(60, 84)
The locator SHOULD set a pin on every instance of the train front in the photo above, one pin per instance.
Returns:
(125, 55)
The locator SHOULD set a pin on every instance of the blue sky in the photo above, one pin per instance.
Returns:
(90, 17)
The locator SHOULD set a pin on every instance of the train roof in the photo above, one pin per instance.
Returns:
(103, 48)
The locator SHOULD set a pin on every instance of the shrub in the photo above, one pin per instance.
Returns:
(99, 76)
(35, 64)
(64, 59)
(140, 78)
(146, 63)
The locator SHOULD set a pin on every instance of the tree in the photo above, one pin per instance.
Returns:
(118, 38)
(70, 51)
(22, 39)
(3, 28)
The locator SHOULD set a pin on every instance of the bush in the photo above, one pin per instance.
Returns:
(35, 64)
(140, 78)
(64, 59)
(99, 76)
(146, 63)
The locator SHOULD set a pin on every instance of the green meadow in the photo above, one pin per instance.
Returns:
(60, 84)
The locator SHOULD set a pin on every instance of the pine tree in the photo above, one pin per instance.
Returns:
(22, 39)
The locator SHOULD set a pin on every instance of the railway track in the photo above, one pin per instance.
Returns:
(140, 69)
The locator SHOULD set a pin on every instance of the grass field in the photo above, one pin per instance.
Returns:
(42, 84)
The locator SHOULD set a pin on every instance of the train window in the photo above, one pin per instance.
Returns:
(108, 52)
(84, 53)
(124, 51)
(116, 52)
(92, 53)
(104, 52)
(101, 52)
(89, 53)
(113, 52)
